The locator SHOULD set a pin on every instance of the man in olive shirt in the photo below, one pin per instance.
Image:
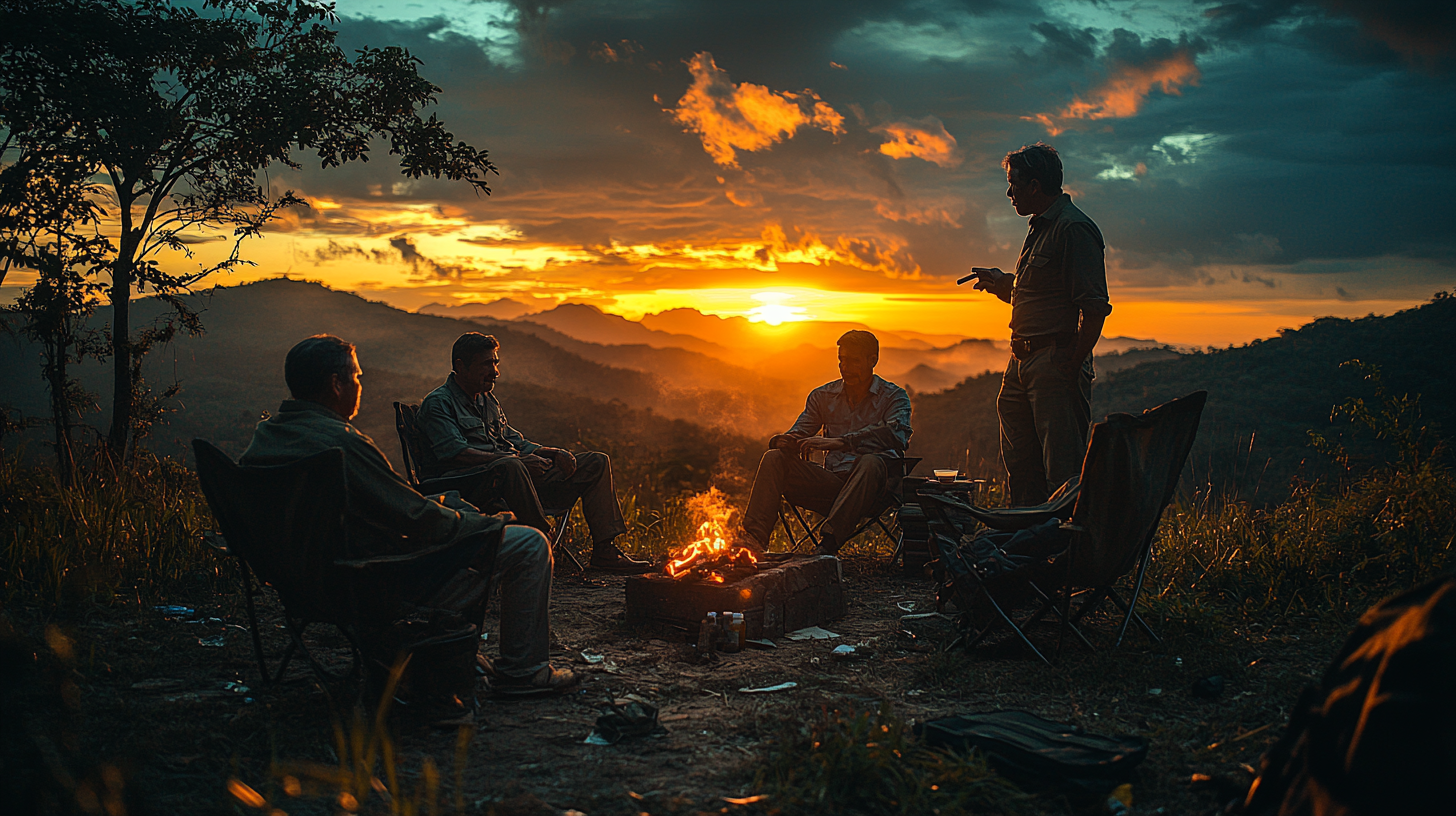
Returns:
(467, 443)
(1059, 302)
(386, 516)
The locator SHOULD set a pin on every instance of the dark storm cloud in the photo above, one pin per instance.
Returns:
(1061, 45)
(1291, 137)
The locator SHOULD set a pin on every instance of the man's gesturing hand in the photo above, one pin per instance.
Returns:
(989, 279)
(565, 460)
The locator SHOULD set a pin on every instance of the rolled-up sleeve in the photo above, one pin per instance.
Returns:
(440, 429)
(1084, 258)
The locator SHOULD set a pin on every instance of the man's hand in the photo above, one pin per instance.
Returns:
(536, 465)
(823, 443)
(564, 460)
(989, 279)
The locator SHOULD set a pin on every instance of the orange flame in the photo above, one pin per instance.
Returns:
(712, 543)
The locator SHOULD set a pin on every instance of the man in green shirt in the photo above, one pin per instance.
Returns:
(466, 439)
(386, 516)
(1059, 302)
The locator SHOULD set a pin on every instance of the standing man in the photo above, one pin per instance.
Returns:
(466, 438)
(866, 425)
(1058, 300)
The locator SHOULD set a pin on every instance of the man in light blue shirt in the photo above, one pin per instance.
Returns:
(866, 426)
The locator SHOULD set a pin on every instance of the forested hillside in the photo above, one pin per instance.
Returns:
(1264, 398)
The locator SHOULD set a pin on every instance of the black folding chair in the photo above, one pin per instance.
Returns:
(1128, 477)
(405, 424)
(882, 515)
(285, 524)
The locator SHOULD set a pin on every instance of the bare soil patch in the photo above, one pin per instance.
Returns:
(151, 695)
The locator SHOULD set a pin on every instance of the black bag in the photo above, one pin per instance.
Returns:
(1039, 754)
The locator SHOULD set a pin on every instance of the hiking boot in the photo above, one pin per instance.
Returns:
(610, 558)
(545, 681)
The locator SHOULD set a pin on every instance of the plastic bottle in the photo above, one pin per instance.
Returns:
(735, 631)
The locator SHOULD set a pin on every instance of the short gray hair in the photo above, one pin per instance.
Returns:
(313, 361)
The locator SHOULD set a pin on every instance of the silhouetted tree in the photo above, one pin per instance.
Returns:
(175, 112)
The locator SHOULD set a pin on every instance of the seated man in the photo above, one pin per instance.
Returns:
(322, 373)
(466, 439)
(866, 423)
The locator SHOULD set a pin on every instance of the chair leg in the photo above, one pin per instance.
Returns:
(558, 541)
(1136, 591)
(249, 594)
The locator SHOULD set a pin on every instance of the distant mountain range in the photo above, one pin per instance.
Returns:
(680, 415)
(798, 353)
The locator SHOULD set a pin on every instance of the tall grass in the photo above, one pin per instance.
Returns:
(138, 527)
(1324, 548)
(1331, 545)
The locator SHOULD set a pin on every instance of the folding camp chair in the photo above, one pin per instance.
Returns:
(881, 515)
(1128, 477)
(405, 416)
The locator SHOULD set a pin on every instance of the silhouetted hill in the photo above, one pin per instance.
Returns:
(1264, 398)
(592, 325)
(925, 379)
(233, 373)
(756, 340)
(502, 309)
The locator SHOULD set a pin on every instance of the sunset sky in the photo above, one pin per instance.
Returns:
(1252, 165)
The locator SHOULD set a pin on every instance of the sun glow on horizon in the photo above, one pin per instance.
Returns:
(774, 311)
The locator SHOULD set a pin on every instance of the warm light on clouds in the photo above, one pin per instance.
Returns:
(1124, 92)
(919, 139)
(730, 116)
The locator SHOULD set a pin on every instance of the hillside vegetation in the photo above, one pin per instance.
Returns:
(1264, 399)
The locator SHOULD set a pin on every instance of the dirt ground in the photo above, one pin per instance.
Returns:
(180, 708)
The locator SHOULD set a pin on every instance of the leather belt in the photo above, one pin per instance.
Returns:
(1023, 347)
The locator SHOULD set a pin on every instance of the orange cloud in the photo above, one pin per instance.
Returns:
(919, 139)
(729, 117)
(1123, 93)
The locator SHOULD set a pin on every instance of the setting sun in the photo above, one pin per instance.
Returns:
(774, 311)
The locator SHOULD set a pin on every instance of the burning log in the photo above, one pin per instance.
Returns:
(710, 557)
(711, 575)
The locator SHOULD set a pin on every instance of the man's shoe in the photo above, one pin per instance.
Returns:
(610, 558)
(826, 546)
(545, 681)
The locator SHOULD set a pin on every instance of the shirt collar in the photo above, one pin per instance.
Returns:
(308, 406)
(1052, 212)
(457, 391)
(876, 385)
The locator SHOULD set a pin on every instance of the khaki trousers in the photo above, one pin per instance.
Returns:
(844, 497)
(1045, 418)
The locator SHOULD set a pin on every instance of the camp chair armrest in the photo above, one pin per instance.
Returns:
(1072, 528)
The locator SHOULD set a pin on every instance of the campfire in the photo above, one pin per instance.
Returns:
(710, 557)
